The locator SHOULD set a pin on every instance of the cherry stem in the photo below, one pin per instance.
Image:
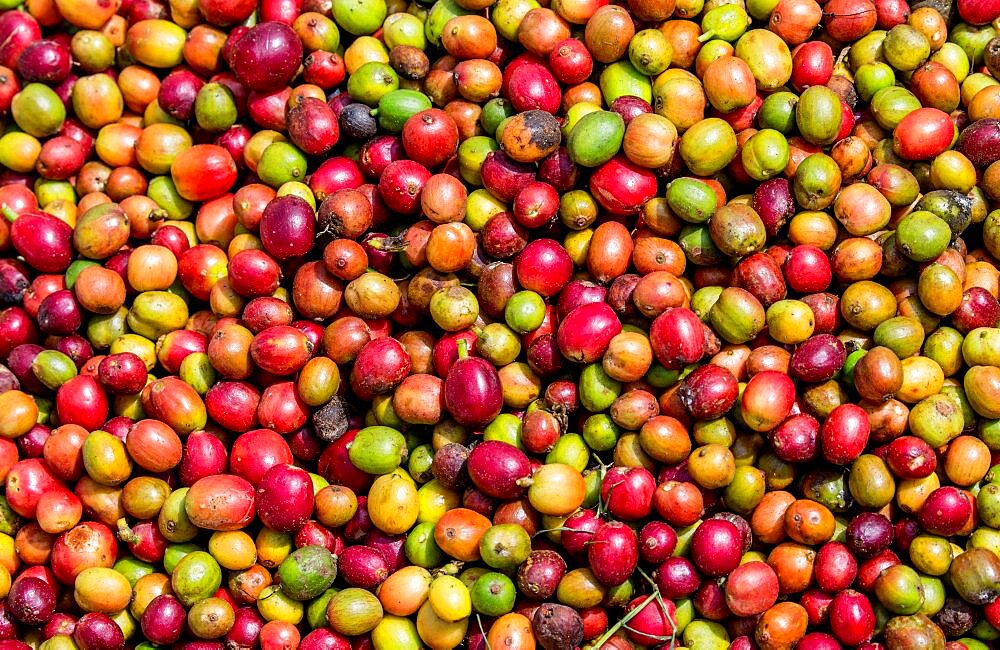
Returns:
(125, 533)
(625, 619)
(387, 244)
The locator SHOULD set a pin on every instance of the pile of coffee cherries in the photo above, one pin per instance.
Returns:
(499, 324)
